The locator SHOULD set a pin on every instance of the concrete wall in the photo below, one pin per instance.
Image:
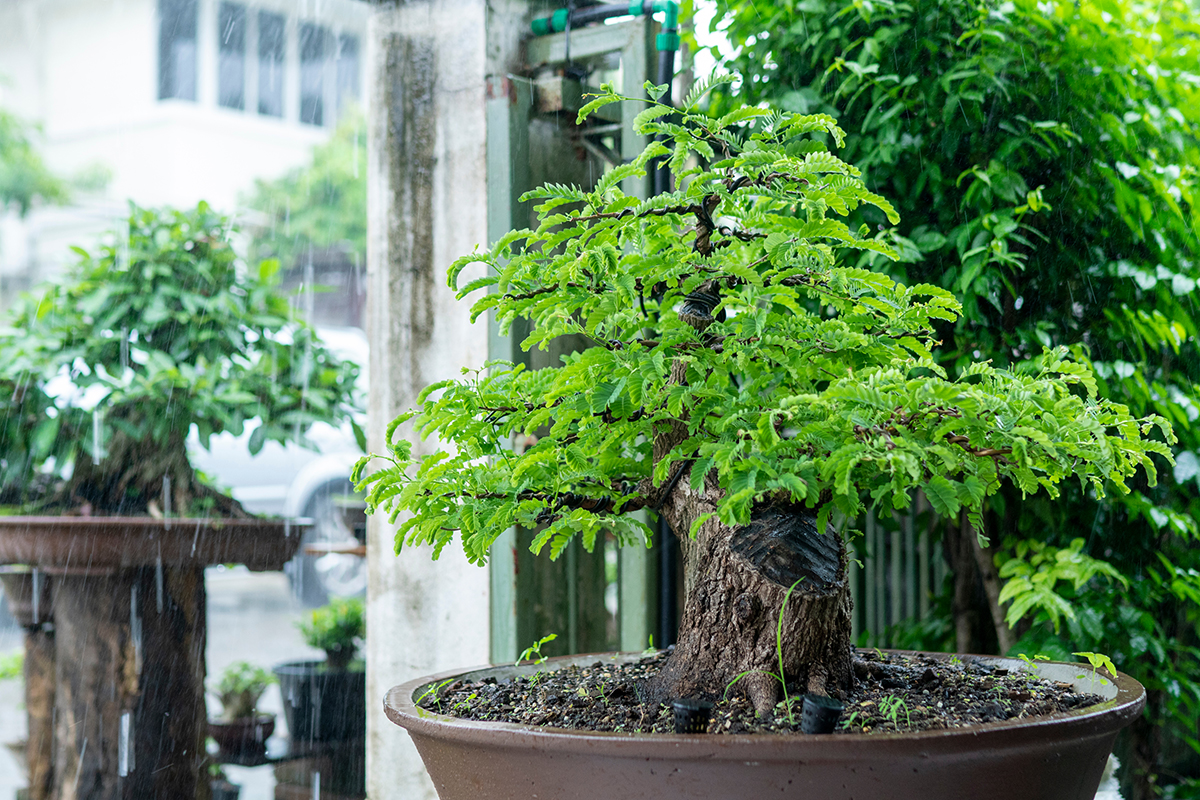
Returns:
(427, 204)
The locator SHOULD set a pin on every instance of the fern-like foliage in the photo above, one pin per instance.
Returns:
(812, 383)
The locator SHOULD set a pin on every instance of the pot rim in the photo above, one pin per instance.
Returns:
(1103, 718)
(153, 524)
(301, 668)
(261, 718)
(83, 546)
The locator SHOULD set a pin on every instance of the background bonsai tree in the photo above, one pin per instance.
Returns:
(240, 688)
(104, 373)
(335, 628)
(744, 384)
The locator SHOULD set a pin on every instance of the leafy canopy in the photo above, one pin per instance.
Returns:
(153, 333)
(792, 377)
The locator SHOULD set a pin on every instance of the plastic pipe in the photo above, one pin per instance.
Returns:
(562, 19)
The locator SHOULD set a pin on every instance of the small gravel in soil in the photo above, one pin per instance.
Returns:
(893, 692)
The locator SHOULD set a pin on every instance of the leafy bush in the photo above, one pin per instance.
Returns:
(1044, 158)
(335, 628)
(103, 374)
(12, 665)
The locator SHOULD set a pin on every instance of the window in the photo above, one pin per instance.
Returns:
(177, 49)
(231, 57)
(270, 63)
(313, 40)
(347, 71)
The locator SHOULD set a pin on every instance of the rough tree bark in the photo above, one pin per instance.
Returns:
(989, 575)
(131, 645)
(734, 594)
(129, 481)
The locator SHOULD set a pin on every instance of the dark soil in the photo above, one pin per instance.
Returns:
(893, 692)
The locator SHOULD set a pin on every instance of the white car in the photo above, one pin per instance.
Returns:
(294, 481)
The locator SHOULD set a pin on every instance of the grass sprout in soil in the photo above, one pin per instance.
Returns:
(893, 692)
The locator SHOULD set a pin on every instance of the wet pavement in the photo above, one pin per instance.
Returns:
(251, 617)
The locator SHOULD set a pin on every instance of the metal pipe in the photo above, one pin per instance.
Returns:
(568, 18)
(666, 74)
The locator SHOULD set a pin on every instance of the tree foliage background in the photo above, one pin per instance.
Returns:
(319, 206)
(24, 178)
(1043, 158)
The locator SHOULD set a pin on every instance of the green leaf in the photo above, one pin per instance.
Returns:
(943, 496)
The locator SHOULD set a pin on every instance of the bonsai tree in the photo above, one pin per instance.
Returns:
(336, 629)
(743, 383)
(239, 689)
(103, 375)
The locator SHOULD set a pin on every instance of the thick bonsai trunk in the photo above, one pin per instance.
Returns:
(736, 580)
(129, 480)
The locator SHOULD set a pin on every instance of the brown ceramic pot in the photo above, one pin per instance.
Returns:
(244, 737)
(1060, 757)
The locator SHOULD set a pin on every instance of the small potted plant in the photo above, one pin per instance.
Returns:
(242, 730)
(325, 701)
(750, 376)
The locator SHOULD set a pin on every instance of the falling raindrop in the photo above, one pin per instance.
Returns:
(36, 578)
(316, 707)
(96, 436)
(124, 748)
(124, 350)
(123, 248)
(79, 772)
(135, 629)
(167, 502)
(158, 578)
(316, 795)
(357, 151)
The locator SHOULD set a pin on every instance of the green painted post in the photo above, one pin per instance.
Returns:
(871, 578)
(509, 103)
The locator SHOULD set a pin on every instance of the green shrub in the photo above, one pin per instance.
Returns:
(335, 628)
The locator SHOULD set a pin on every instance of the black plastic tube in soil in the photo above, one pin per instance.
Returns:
(691, 715)
(820, 714)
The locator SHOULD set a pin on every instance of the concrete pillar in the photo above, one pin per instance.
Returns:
(427, 194)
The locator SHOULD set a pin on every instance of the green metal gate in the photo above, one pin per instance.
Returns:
(601, 600)
(609, 599)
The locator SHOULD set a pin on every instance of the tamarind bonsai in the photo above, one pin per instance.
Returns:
(747, 381)
(105, 371)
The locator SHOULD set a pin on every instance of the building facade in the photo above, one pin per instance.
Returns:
(169, 102)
